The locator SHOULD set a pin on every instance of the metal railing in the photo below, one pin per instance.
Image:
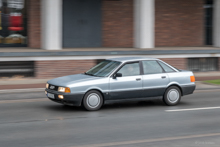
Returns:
(203, 64)
(17, 68)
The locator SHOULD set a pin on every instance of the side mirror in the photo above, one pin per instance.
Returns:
(117, 75)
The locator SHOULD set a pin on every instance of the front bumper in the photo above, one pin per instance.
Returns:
(69, 98)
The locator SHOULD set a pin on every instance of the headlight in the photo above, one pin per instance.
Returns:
(64, 89)
(47, 85)
(61, 89)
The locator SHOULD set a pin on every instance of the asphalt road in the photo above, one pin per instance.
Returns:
(31, 120)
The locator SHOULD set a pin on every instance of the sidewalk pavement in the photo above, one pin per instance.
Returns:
(22, 83)
(39, 84)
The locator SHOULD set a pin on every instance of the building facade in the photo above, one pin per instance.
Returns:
(128, 23)
(57, 24)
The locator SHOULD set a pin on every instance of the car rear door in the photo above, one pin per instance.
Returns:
(129, 85)
(155, 80)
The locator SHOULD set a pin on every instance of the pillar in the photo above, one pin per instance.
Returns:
(144, 16)
(216, 23)
(51, 24)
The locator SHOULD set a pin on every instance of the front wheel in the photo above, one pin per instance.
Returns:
(172, 96)
(92, 100)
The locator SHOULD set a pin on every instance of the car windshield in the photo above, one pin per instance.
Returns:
(103, 69)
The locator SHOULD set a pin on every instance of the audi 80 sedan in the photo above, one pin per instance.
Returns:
(123, 78)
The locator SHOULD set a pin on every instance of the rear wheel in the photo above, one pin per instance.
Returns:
(92, 100)
(172, 96)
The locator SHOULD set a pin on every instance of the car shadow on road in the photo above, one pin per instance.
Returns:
(64, 108)
(116, 105)
(133, 104)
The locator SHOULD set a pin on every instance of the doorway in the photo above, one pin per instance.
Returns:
(82, 23)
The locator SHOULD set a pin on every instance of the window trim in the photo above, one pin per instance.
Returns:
(141, 70)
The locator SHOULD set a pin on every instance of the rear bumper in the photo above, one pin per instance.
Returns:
(189, 89)
(69, 98)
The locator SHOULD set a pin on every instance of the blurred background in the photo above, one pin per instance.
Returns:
(43, 39)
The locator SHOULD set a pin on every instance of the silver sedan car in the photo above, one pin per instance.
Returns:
(122, 79)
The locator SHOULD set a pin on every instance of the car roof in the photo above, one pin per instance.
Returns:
(130, 59)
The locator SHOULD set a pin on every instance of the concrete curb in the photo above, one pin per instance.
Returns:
(206, 89)
(22, 90)
(210, 84)
(22, 86)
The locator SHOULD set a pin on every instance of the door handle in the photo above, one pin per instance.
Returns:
(163, 77)
(138, 79)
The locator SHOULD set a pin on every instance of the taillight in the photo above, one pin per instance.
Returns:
(192, 78)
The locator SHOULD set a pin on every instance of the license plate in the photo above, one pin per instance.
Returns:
(50, 95)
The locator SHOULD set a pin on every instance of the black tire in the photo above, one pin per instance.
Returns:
(93, 100)
(172, 96)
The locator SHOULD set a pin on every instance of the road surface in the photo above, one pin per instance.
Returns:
(31, 120)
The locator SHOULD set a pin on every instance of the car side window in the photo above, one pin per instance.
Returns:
(130, 69)
(151, 67)
(166, 68)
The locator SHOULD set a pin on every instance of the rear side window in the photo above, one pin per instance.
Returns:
(166, 67)
(152, 67)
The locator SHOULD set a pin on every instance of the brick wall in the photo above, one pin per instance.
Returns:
(51, 69)
(180, 63)
(179, 23)
(34, 24)
(117, 20)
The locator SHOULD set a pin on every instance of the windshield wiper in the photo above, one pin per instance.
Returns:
(88, 74)
(91, 75)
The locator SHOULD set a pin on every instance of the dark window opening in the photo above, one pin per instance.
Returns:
(13, 23)
(208, 22)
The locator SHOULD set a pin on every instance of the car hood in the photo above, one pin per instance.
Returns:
(66, 80)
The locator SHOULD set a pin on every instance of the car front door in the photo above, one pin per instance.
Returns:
(155, 80)
(129, 85)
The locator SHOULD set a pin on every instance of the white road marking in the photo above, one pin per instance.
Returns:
(193, 109)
